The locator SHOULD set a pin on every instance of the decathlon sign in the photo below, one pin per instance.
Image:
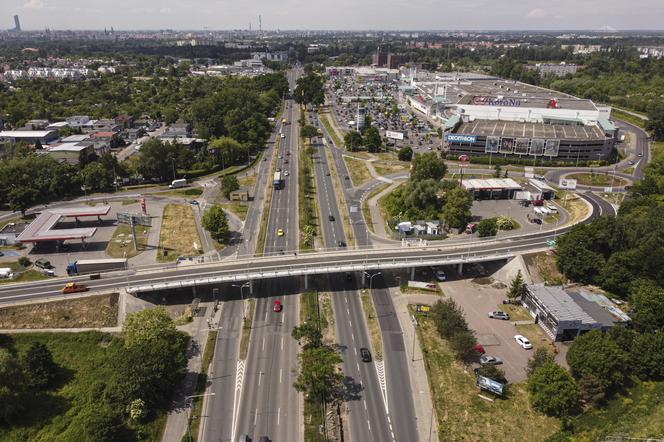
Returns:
(460, 138)
(495, 101)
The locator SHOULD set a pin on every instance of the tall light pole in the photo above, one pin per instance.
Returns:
(371, 277)
(187, 400)
(246, 284)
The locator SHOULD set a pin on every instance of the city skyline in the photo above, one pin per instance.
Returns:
(341, 15)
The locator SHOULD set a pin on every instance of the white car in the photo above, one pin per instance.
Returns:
(286, 173)
(283, 136)
(440, 275)
(552, 208)
(523, 342)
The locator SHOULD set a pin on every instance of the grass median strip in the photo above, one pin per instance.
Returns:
(178, 235)
(325, 120)
(247, 323)
(368, 219)
(372, 324)
(459, 411)
(358, 171)
(201, 384)
(306, 196)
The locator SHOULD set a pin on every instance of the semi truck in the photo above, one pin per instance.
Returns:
(95, 265)
(278, 181)
(176, 184)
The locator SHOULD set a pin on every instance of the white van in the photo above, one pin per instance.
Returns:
(6, 273)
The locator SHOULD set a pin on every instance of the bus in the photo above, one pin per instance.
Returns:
(278, 182)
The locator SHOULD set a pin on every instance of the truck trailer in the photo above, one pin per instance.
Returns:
(95, 265)
(176, 184)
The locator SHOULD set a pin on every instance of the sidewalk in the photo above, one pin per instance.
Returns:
(376, 218)
(419, 384)
(177, 420)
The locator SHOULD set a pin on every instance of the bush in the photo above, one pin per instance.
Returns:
(405, 153)
(492, 372)
(487, 227)
(505, 223)
(552, 390)
(24, 261)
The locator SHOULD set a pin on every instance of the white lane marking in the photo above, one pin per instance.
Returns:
(265, 318)
(255, 416)
(278, 414)
(350, 322)
(365, 405)
(239, 380)
(282, 343)
(355, 351)
(281, 372)
(369, 424)
(263, 349)
(352, 336)
(358, 366)
(380, 372)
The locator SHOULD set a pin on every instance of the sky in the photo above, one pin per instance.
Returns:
(335, 14)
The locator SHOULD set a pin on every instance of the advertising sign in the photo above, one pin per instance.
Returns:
(143, 207)
(394, 135)
(567, 184)
(492, 144)
(521, 146)
(421, 308)
(490, 385)
(507, 145)
(460, 138)
(495, 101)
(529, 172)
(551, 148)
(537, 146)
(138, 219)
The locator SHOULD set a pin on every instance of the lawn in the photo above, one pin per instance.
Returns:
(372, 324)
(17, 219)
(597, 179)
(516, 312)
(575, 206)
(191, 192)
(238, 208)
(246, 327)
(389, 167)
(616, 113)
(461, 414)
(91, 311)
(21, 274)
(365, 205)
(86, 361)
(121, 244)
(325, 120)
(248, 181)
(359, 173)
(536, 336)
(546, 266)
(262, 231)
(178, 233)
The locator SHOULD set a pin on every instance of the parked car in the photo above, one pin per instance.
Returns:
(490, 360)
(537, 221)
(523, 342)
(525, 203)
(498, 314)
(478, 348)
(365, 354)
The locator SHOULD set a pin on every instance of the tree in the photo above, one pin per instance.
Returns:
(156, 160)
(648, 303)
(319, 379)
(463, 343)
(497, 171)
(552, 390)
(229, 183)
(595, 355)
(487, 227)
(405, 153)
(456, 210)
(12, 384)
(353, 140)
(517, 286)
(149, 326)
(96, 177)
(540, 357)
(372, 139)
(647, 355)
(308, 131)
(40, 368)
(227, 151)
(308, 332)
(21, 198)
(492, 372)
(449, 318)
(427, 166)
(309, 89)
(656, 120)
(214, 221)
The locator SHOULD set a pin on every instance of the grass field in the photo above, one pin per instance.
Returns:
(640, 122)
(372, 324)
(238, 208)
(359, 173)
(461, 414)
(178, 233)
(597, 179)
(248, 181)
(389, 167)
(516, 312)
(86, 361)
(307, 203)
(24, 276)
(262, 230)
(325, 120)
(575, 206)
(121, 244)
(546, 267)
(91, 311)
(17, 219)
(191, 192)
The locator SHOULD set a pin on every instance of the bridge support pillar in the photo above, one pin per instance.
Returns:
(412, 273)
(251, 286)
(364, 279)
(306, 282)
(460, 268)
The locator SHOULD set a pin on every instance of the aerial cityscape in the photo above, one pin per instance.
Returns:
(329, 222)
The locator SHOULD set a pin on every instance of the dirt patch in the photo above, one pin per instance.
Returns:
(88, 312)
(542, 268)
(482, 280)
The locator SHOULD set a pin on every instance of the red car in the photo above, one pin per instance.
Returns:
(277, 306)
(478, 348)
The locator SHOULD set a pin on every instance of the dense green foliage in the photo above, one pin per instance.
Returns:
(229, 183)
(309, 89)
(405, 153)
(452, 326)
(428, 166)
(456, 211)
(214, 220)
(552, 390)
(487, 227)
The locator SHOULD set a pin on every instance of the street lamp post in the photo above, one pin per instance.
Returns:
(187, 400)
(246, 284)
(371, 277)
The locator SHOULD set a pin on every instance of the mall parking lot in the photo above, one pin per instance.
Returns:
(513, 209)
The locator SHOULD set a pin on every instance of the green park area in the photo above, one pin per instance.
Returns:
(178, 235)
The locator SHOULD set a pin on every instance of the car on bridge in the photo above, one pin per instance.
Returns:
(72, 287)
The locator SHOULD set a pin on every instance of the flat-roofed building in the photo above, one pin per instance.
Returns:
(30, 136)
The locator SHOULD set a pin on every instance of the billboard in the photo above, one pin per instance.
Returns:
(460, 138)
(394, 135)
(492, 144)
(490, 385)
(567, 184)
(495, 101)
(537, 146)
(506, 145)
(551, 148)
(138, 219)
(521, 146)
(529, 172)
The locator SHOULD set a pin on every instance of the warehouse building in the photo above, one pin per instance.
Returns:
(565, 314)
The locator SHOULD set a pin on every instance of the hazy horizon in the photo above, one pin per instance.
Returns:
(341, 15)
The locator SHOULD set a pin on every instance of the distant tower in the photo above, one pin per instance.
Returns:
(260, 24)
(17, 24)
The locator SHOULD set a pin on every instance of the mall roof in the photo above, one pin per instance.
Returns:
(26, 133)
(491, 184)
(530, 130)
(69, 147)
(43, 227)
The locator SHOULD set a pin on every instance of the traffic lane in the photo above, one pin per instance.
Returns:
(218, 415)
